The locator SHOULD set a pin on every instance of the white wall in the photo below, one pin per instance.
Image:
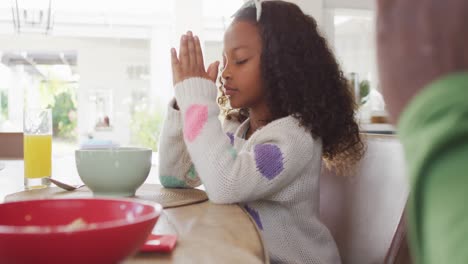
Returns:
(311, 7)
(188, 16)
(323, 12)
(352, 4)
(102, 64)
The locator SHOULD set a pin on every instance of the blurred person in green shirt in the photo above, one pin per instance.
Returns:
(423, 68)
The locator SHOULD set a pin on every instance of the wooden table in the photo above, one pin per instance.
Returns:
(207, 233)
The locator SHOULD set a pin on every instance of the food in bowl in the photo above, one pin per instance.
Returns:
(76, 225)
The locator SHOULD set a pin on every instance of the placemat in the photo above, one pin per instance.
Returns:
(150, 192)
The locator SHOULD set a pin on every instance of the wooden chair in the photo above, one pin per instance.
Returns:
(365, 212)
(11, 145)
(399, 253)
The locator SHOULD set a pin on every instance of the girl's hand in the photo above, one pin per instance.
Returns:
(190, 61)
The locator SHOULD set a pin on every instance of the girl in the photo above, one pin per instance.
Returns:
(289, 106)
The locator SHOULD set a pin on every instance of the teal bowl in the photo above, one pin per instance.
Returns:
(113, 171)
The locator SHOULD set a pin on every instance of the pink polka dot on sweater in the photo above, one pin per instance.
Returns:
(196, 117)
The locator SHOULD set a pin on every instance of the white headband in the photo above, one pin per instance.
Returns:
(258, 7)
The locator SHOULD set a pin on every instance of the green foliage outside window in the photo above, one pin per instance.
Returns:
(61, 97)
(145, 128)
(364, 88)
(3, 104)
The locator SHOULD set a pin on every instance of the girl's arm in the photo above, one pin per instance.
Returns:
(276, 159)
(176, 169)
(278, 156)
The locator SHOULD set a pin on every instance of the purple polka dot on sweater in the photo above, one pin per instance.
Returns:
(254, 214)
(231, 137)
(269, 160)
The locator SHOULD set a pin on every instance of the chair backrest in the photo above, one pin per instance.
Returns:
(399, 252)
(11, 145)
(364, 210)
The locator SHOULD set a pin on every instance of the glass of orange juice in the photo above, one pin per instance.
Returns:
(37, 144)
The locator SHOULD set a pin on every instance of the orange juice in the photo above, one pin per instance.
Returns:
(37, 156)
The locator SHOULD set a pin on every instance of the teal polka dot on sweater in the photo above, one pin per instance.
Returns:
(172, 182)
(233, 153)
(192, 173)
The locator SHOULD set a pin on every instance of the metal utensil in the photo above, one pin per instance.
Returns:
(65, 186)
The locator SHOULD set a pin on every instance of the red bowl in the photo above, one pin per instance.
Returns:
(40, 231)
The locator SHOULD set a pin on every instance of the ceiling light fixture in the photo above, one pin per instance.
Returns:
(32, 16)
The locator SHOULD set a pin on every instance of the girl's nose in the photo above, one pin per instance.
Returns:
(226, 73)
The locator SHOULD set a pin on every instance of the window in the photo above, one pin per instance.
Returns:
(354, 44)
(106, 59)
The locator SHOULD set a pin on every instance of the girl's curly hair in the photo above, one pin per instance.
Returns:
(303, 79)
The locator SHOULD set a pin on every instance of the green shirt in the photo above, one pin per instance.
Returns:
(434, 133)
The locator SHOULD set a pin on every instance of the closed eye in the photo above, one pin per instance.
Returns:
(239, 62)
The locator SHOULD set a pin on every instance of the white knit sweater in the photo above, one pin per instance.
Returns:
(274, 175)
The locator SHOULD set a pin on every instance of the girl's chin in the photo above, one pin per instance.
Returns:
(235, 105)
